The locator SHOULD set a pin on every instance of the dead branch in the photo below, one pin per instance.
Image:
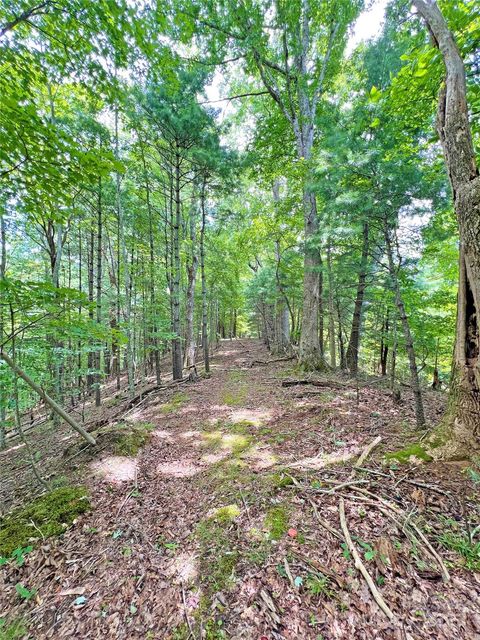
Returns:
(361, 567)
(367, 451)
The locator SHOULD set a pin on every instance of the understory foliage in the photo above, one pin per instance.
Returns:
(142, 220)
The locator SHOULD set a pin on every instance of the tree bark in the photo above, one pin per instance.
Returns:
(354, 342)
(46, 398)
(205, 345)
(177, 362)
(192, 267)
(461, 426)
(3, 269)
(409, 346)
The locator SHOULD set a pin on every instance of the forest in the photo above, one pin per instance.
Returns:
(240, 319)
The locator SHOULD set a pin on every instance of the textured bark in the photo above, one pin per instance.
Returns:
(99, 292)
(462, 420)
(205, 341)
(177, 362)
(409, 346)
(331, 311)
(3, 267)
(354, 342)
(192, 266)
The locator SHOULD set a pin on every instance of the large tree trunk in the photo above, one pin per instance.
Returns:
(409, 346)
(461, 427)
(205, 345)
(190, 302)
(3, 389)
(99, 294)
(354, 342)
(177, 363)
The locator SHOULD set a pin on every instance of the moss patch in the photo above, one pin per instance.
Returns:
(48, 515)
(276, 521)
(218, 555)
(403, 456)
(135, 437)
(175, 402)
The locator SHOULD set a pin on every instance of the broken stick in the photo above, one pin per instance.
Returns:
(367, 451)
(361, 567)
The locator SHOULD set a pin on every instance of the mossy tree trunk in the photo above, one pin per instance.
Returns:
(462, 420)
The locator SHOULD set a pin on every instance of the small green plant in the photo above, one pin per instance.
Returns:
(13, 630)
(319, 585)
(404, 456)
(468, 550)
(18, 555)
(23, 592)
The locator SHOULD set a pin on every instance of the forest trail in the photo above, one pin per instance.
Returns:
(216, 530)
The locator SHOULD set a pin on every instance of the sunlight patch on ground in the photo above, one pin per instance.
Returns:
(116, 469)
(260, 458)
(161, 434)
(184, 468)
(190, 434)
(213, 458)
(183, 569)
(254, 416)
(323, 459)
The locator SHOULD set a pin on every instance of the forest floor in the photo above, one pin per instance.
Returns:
(226, 524)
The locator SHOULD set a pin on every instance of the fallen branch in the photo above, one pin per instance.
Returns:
(56, 407)
(265, 362)
(361, 567)
(418, 531)
(315, 383)
(326, 525)
(367, 451)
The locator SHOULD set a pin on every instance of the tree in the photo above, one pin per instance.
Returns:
(462, 422)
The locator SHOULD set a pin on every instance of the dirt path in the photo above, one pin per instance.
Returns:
(206, 535)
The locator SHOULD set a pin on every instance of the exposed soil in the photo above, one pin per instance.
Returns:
(217, 528)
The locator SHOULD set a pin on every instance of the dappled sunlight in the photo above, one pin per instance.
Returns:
(162, 434)
(260, 458)
(184, 468)
(213, 458)
(183, 568)
(256, 417)
(116, 469)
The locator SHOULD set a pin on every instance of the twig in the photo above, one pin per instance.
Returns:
(367, 451)
(186, 613)
(324, 523)
(418, 531)
(361, 567)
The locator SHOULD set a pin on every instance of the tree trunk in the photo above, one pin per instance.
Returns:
(409, 346)
(192, 267)
(123, 256)
(461, 427)
(177, 362)
(3, 390)
(205, 346)
(354, 342)
(99, 294)
(331, 310)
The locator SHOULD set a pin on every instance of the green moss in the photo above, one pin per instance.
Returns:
(403, 455)
(218, 557)
(226, 514)
(280, 480)
(136, 437)
(276, 521)
(175, 402)
(46, 516)
(234, 397)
